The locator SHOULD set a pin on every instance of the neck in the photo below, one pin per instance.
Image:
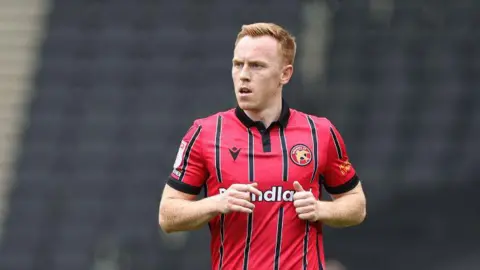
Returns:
(268, 115)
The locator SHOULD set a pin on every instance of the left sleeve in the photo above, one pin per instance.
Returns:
(340, 176)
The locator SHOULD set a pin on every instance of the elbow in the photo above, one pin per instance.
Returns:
(356, 219)
(163, 221)
(361, 217)
(362, 214)
(163, 224)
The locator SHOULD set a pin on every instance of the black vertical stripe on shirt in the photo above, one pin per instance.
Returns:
(251, 178)
(320, 266)
(218, 135)
(250, 157)
(337, 145)
(278, 245)
(313, 129)
(187, 153)
(222, 238)
(246, 252)
(305, 246)
(284, 155)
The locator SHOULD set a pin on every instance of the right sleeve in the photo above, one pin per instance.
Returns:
(189, 170)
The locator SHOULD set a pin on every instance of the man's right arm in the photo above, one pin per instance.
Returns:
(181, 212)
(178, 209)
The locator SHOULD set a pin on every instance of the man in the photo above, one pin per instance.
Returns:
(261, 165)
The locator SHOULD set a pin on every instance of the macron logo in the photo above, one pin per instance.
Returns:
(275, 194)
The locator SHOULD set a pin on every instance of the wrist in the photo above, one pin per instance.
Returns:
(213, 207)
(325, 211)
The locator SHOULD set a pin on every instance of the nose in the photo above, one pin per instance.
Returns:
(244, 74)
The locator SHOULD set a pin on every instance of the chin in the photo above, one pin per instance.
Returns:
(246, 105)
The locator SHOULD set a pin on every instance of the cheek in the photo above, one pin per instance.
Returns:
(235, 77)
(271, 83)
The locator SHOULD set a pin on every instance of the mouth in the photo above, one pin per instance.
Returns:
(245, 91)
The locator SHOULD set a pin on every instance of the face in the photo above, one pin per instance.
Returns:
(258, 72)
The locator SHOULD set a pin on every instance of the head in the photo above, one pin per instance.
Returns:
(262, 64)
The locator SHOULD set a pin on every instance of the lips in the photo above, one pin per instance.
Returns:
(245, 90)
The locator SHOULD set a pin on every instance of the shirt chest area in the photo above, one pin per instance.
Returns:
(273, 157)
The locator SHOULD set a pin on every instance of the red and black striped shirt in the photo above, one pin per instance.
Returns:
(228, 148)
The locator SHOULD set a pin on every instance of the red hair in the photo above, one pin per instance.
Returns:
(287, 43)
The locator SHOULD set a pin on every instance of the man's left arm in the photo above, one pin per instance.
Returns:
(348, 207)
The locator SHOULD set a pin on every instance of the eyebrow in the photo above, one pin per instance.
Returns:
(258, 62)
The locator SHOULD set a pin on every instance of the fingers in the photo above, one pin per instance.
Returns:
(252, 188)
(239, 205)
(239, 194)
(305, 209)
(304, 202)
(297, 186)
(302, 195)
(307, 216)
(238, 197)
(237, 208)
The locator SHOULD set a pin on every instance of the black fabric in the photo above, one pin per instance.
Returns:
(183, 187)
(347, 186)
(282, 120)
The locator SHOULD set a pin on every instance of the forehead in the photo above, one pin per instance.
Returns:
(257, 48)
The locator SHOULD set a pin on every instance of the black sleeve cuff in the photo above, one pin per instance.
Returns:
(183, 187)
(347, 186)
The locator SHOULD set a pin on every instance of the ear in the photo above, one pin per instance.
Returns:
(287, 73)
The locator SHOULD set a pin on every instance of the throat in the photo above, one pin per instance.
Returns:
(267, 117)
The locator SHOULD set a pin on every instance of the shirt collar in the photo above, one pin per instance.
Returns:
(282, 120)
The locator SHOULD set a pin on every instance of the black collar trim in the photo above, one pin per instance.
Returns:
(283, 119)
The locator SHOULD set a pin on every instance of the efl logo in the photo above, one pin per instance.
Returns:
(275, 194)
(179, 158)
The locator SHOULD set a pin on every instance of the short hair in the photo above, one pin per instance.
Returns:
(287, 42)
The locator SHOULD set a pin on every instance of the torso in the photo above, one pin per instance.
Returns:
(273, 233)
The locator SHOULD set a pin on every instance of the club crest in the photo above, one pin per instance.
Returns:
(301, 155)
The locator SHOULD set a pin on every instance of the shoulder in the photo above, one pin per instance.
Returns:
(321, 123)
(209, 123)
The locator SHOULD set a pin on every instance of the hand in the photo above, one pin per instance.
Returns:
(237, 198)
(305, 203)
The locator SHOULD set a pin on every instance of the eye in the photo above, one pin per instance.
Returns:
(238, 64)
(257, 65)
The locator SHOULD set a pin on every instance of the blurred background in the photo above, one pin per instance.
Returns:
(96, 95)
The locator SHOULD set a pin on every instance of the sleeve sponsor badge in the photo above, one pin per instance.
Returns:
(179, 158)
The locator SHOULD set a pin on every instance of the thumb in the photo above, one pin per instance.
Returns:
(297, 186)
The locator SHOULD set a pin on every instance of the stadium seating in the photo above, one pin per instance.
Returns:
(120, 83)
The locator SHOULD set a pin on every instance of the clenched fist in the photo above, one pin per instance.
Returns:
(237, 198)
(305, 203)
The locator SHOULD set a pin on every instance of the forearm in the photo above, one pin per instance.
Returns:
(343, 212)
(184, 215)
